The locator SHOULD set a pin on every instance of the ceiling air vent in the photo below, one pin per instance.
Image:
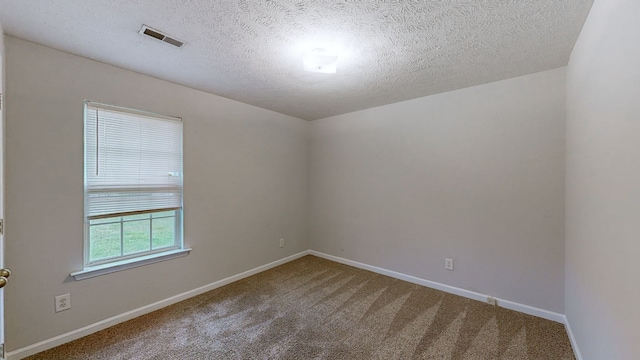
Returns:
(145, 30)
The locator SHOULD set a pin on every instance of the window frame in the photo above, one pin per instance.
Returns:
(177, 243)
(124, 261)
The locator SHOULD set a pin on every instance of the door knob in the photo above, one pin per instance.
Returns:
(3, 281)
(5, 273)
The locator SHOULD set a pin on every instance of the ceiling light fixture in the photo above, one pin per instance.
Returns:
(320, 62)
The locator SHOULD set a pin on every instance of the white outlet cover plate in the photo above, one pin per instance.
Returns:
(63, 302)
(448, 264)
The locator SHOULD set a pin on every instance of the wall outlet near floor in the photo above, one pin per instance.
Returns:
(491, 300)
(281, 242)
(63, 302)
(448, 264)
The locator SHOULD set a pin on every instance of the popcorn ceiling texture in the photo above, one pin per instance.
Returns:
(251, 50)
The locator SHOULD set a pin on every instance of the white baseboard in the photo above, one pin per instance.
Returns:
(526, 309)
(100, 325)
(572, 339)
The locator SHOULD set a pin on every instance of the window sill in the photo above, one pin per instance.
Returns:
(98, 270)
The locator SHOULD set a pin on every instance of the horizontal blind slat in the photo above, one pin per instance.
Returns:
(133, 161)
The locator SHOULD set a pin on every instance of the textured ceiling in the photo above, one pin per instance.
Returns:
(251, 50)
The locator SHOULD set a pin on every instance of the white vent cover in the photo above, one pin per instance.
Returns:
(147, 31)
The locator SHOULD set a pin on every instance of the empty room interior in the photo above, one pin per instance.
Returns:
(321, 179)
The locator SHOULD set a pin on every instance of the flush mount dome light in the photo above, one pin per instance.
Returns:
(319, 61)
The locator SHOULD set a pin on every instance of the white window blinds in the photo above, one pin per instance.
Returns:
(133, 161)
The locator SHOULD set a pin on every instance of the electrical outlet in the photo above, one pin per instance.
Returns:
(63, 302)
(281, 242)
(491, 300)
(448, 264)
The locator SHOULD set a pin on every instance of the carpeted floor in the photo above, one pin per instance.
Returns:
(312, 308)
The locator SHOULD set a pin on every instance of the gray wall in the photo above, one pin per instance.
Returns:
(475, 174)
(603, 183)
(246, 176)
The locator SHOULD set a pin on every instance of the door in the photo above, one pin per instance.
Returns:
(3, 278)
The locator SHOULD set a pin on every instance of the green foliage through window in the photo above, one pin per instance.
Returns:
(126, 235)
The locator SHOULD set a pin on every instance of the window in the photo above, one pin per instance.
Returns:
(133, 184)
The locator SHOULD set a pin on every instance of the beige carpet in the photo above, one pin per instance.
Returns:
(312, 308)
